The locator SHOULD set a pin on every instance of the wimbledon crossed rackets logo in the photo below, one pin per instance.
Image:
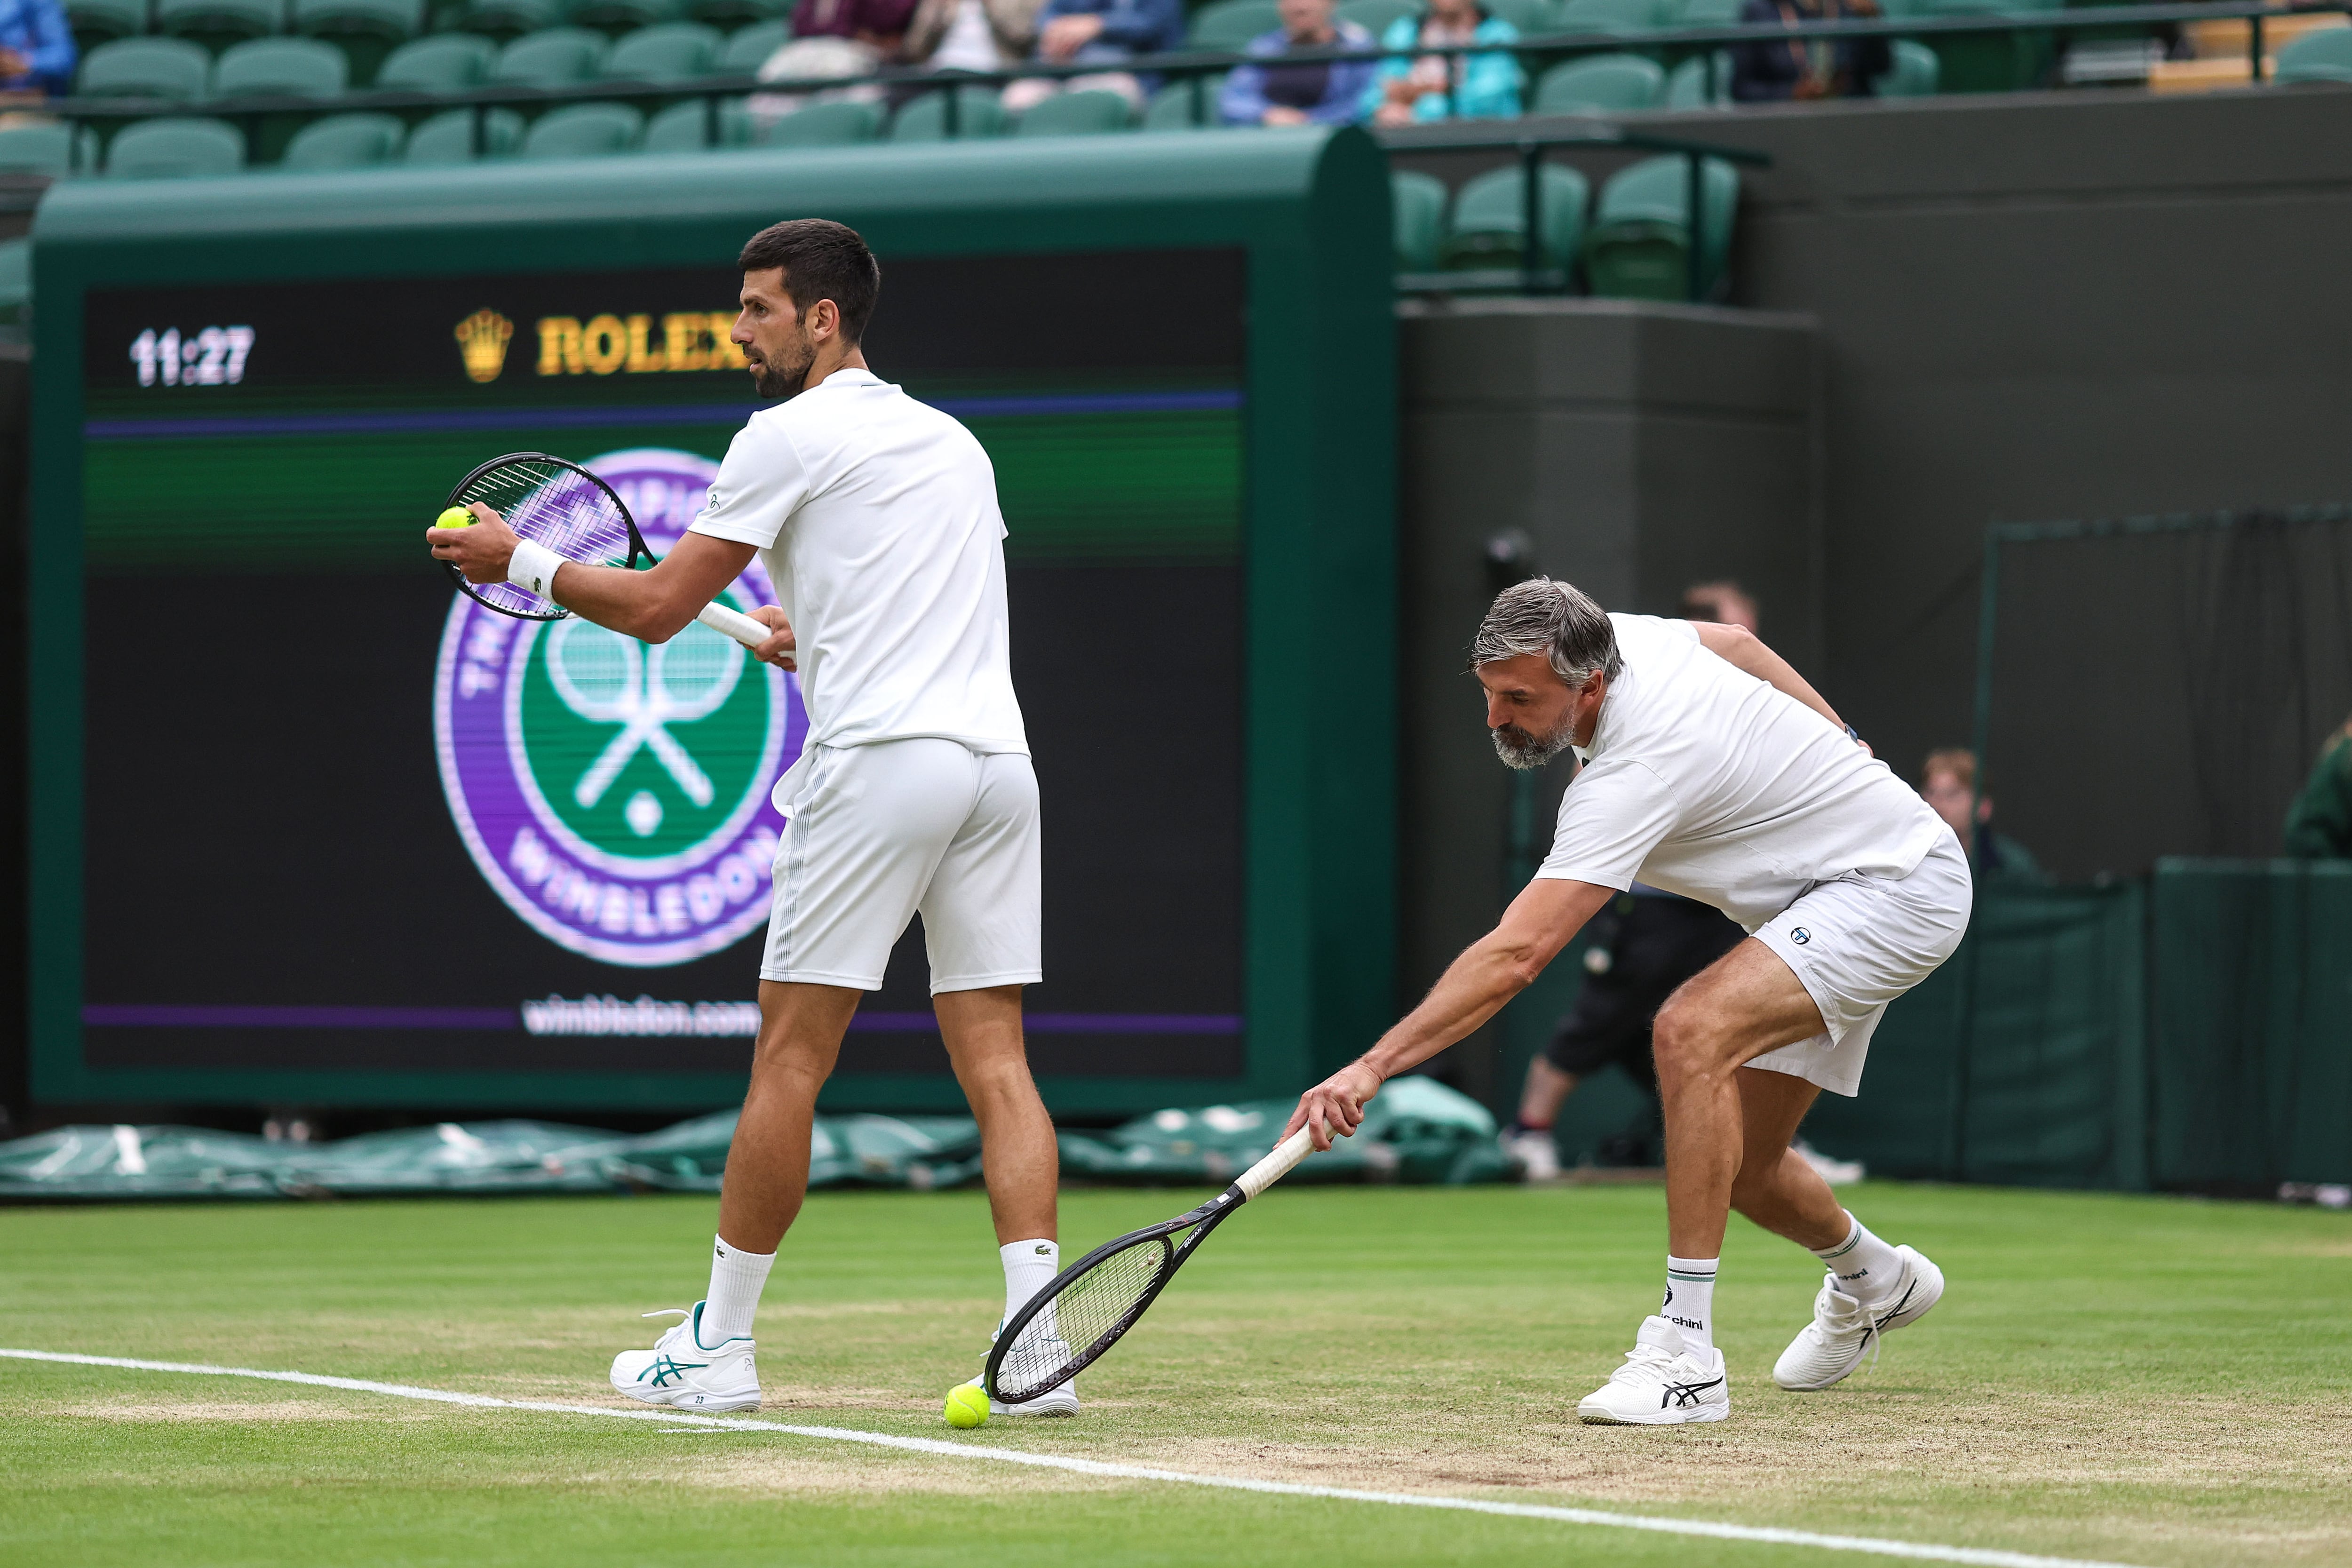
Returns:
(614, 795)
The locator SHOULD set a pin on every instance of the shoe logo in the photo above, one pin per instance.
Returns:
(1800, 936)
(1897, 1311)
(1683, 1395)
(665, 1372)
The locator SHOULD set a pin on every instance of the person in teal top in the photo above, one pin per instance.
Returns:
(1411, 90)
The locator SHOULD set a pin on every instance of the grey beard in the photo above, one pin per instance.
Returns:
(1522, 751)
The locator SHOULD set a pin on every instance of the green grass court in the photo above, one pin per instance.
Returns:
(2137, 1380)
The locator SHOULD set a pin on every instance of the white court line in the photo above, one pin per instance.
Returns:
(1978, 1557)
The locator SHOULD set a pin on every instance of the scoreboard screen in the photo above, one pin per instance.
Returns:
(336, 816)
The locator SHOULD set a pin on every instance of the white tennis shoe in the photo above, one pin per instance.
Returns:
(1058, 1401)
(1845, 1329)
(1532, 1150)
(679, 1372)
(1664, 1383)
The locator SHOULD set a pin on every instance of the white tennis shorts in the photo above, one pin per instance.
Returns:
(1856, 944)
(878, 832)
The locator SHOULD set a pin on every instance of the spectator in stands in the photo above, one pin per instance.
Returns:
(1085, 32)
(1764, 71)
(2319, 823)
(1320, 93)
(36, 47)
(830, 38)
(1409, 89)
(1949, 784)
(971, 34)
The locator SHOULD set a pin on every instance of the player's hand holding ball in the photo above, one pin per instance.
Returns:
(477, 538)
(1335, 1108)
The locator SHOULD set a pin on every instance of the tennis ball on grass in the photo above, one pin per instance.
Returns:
(455, 517)
(967, 1405)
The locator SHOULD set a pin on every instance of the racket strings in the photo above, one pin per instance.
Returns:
(551, 505)
(1083, 1321)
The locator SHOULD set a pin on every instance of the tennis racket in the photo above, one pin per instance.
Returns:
(1067, 1326)
(571, 511)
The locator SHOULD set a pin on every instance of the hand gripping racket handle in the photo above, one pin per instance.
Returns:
(735, 623)
(1277, 1164)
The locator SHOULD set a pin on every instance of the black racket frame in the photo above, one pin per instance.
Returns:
(1201, 1221)
(636, 541)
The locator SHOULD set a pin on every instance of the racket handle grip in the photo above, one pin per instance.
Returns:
(735, 623)
(1280, 1163)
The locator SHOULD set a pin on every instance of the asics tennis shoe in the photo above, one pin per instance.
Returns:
(1664, 1383)
(681, 1373)
(1845, 1329)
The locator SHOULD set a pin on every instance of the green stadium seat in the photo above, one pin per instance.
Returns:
(507, 20)
(176, 147)
(925, 119)
(1611, 17)
(214, 25)
(448, 137)
(15, 282)
(1988, 62)
(346, 141)
(1918, 72)
(145, 67)
(686, 127)
(825, 125)
(1533, 18)
(46, 150)
(302, 66)
(1091, 112)
(1171, 107)
(728, 16)
(1687, 85)
(670, 51)
(584, 131)
(1490, 227)
(556, 57)
(96, 22)
(748, 48)
(1640, 245)
(445, 62)
(1227, 25)
(617, 17)
(365, 30)
(1418, 213)
(1704, 13)
(1377, 17)
(2324, 55)
(1601, 84)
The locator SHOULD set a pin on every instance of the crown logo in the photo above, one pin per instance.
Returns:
(482, 338)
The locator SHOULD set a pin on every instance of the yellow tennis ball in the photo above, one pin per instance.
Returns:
(967, 1407)
(455, 517)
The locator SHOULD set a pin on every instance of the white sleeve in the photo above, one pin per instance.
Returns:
(1611, 818)
(760, 484)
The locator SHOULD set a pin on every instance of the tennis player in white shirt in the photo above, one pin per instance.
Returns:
(878, 519)
(1711, 769)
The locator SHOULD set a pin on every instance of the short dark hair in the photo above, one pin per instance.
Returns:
(822, 260)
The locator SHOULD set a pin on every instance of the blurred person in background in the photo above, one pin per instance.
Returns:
(1316, 92)
(1411, 90)
(1639, 952)
(37, 48)
(1105, 32)
(831, 38)
(1805, 68)
(1948, 781)
(971, 34)
(2319, 823)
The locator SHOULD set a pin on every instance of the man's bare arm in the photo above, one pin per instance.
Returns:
(1746, 650)
(1540, 922)
(654, 606)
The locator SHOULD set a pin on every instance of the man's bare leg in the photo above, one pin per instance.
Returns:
(1018, 1154)
(1548, 1089)
(801, 1027)
(1776, 1187)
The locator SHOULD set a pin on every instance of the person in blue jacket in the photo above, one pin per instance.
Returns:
(1307, 93)
(1410, 90)
(1082, 32)
(36, 47)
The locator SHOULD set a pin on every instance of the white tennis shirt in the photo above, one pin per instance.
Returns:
(1705, 781)
(877, 517)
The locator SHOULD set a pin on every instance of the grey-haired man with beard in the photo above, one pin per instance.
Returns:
(1712, 769)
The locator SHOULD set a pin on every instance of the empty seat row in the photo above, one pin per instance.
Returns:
(218, 23)
(1615, 84)
(1635, 245)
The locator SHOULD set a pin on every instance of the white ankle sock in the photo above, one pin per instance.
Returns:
(736, 1277)
(1029, 1267)
(1865, 1266)
(1690, 1300)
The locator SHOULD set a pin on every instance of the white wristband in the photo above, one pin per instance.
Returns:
(532, 567)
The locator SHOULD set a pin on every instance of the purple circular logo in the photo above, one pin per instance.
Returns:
(614, 793)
